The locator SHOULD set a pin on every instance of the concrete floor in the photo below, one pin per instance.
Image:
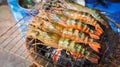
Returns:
(6, 58)
(10, 60)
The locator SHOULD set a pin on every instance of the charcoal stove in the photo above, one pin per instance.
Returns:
(48, 56)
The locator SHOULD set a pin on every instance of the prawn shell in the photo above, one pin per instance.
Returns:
(72, 23)
(72, 34)
(93, 12)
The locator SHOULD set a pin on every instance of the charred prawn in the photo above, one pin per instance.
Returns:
(55, 41)
(73, 34)
(74, 23)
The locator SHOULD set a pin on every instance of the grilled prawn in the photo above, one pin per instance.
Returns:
(85, 17)
(55, 41)
(72, 5)
(70, 33)
(74, 23)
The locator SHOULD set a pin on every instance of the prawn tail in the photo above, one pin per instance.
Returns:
(99, 31)
(95, 46)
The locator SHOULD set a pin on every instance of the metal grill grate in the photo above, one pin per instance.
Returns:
(12, 40)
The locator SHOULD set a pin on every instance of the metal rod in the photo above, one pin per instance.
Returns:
(12, 26)
(15, 44)
(23, 52)
(18, 48)
(11, 40)
(11, 34)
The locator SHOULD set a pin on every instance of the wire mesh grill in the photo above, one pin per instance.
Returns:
(14, 44)
(12, 39)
